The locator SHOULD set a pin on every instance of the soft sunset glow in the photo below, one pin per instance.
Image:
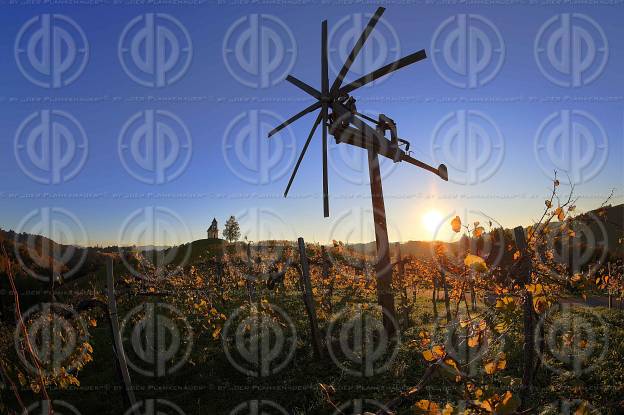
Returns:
(432, 220)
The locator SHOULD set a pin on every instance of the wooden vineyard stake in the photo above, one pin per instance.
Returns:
(117, 343)
(308, 299)
(609, 286)
(404, 297)
(525, 274)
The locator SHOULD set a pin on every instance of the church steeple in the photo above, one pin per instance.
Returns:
(213, 230)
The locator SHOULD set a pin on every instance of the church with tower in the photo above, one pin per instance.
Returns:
(213, 230)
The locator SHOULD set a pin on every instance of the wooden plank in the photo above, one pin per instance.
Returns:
(117, 342)
(308, 299)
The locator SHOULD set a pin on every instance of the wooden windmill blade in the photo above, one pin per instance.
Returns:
(325, 108)
(384, 70)
(356, 50)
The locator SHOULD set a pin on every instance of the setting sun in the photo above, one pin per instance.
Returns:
(432, 220)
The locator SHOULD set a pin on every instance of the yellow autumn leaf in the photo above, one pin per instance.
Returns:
(475, 263)
(438, 351)
(428, 355)
(473, 341)
(560, 214)
(490, 368)
(456, 224)
(478, 231)
(425, 407)
(508, 404)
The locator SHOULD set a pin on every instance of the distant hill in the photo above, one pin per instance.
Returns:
(608, 220)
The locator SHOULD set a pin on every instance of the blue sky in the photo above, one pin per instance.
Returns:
(208, 97)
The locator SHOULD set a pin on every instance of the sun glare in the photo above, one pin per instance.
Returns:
(432, 220)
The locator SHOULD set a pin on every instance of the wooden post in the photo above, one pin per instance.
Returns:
(308, 299)
(447, 301)
(609, 286)
(404, 297)
(325, 270)
(527, 372)
(383, 268)
(117, 342)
